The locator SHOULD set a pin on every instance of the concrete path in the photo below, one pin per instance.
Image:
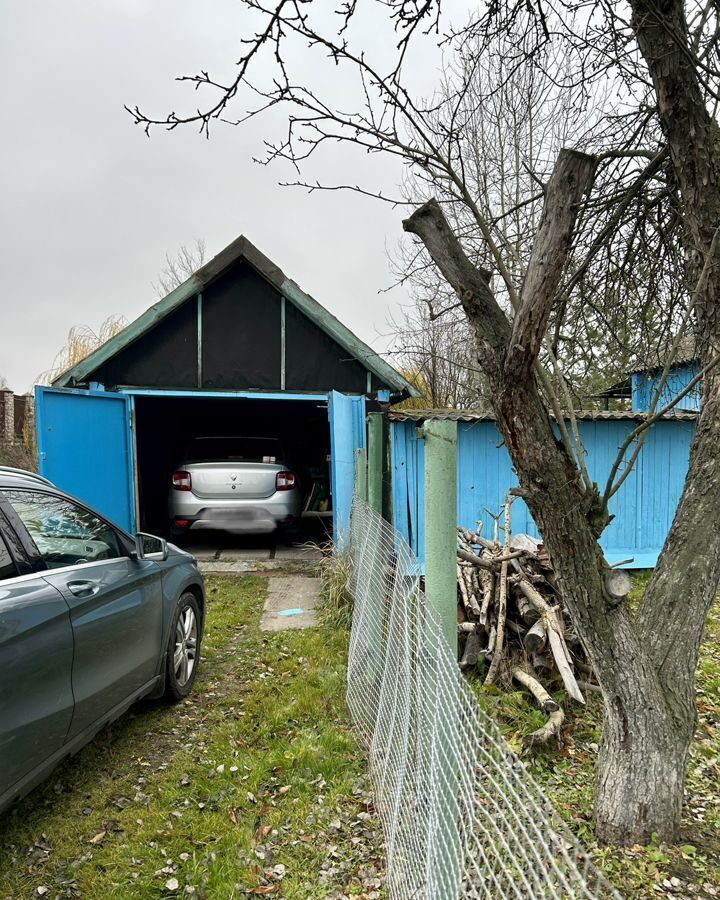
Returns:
(291, 602)
(237, 560)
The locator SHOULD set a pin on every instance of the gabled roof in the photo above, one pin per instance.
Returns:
(240, 249)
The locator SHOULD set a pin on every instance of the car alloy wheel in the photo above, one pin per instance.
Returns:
(185, 654)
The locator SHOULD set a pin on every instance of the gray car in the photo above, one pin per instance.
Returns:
(236, 484)
(91, 620)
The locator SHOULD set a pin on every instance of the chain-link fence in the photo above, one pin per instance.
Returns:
(461, 815)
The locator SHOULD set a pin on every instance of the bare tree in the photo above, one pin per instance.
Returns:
(436, 356)
(179, 267)
(82, 340)
(638, 94)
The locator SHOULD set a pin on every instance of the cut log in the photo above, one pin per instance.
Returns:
(473, 558)
(472, 651)
(485, 562)
(527, 611)
(618, 584)
(524, 542)
(487, 579)
(542, 662)
(562, 659)
(551, 729)
(500, 635)
(553, 626)
(589, 686)
(536, 638)
(469, 602)
(545, 701)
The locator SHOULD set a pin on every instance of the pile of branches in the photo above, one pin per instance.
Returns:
(511, 620)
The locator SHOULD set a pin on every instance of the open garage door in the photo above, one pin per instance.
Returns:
(85, 447)
(347, 434)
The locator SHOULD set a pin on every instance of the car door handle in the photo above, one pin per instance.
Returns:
(83, 588)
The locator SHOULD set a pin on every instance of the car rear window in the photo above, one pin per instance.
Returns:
(237, 449)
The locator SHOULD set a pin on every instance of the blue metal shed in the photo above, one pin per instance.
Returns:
(646, 383)
(643, 508)
(237, 348)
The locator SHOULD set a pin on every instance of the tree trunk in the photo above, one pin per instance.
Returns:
(640, 773)
(641, 765)
(672, 616)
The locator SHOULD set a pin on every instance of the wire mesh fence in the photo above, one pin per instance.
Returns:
(461, 815)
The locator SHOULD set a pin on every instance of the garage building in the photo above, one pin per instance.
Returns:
(236, 350)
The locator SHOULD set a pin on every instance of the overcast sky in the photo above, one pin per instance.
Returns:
(90, 205)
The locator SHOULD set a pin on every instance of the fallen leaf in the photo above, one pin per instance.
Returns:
(97, 838)
(266, 889)
(285, 789)
(262, 832)
(233, 815)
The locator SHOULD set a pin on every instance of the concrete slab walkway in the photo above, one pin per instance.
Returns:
(291, 603)
(239, 560)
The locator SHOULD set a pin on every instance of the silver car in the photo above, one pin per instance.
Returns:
(236, 484)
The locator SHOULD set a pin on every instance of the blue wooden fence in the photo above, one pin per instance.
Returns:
(643, 507)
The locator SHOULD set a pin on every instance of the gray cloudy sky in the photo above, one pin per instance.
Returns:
(90, 206)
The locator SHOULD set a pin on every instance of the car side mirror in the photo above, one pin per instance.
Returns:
(147, 546)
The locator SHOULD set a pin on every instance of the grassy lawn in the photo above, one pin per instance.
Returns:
(254, 786)
(688, 869)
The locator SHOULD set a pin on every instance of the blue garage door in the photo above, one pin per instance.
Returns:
(85, 447)
(347, 434)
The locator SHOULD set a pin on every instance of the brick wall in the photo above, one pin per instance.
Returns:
(15, 412)
(7, 416)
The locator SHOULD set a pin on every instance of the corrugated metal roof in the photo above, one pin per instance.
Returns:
(687, 352)
(469, 415)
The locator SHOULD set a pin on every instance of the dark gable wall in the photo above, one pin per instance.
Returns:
(315, 362)
(241, 332)
(241, 348)
(164, 357)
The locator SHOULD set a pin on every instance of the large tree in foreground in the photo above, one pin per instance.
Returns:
(637, 85)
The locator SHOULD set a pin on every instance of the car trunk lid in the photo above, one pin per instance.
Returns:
(233, 480)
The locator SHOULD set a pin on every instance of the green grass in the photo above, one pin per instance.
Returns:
(256, 771)
(567, 776)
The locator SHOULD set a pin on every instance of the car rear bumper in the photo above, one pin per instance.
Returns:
(236, 516)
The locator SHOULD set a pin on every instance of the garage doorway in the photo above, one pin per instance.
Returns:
(166, 425)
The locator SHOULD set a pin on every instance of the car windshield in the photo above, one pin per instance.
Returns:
(241, 449)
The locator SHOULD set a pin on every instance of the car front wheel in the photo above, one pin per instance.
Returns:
(183, 653)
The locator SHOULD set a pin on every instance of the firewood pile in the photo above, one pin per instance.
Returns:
(511, 618)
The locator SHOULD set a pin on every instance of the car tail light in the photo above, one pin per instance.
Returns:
(182, 481)
(182, 523)
(284, 481)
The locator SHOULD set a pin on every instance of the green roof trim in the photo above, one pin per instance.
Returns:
(241, 248)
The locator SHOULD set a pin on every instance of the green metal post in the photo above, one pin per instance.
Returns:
(375, 461)
(361, 473)
(441, 592)
(441, 523)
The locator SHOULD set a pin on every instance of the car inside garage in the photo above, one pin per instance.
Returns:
(167, 427)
